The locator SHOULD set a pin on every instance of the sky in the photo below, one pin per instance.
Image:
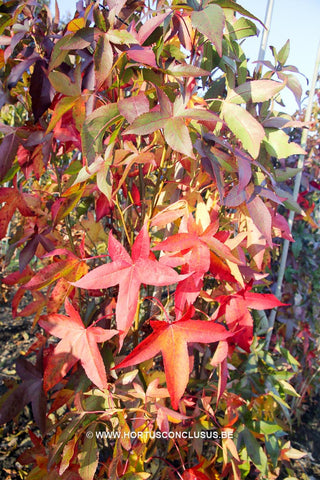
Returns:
(291, 19)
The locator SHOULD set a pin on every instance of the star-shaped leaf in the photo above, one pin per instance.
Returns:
(14, 200)
(198, 244)
(193, 245)
(77, 343)
(129, 273)
(30, 390)
(172, 340)
(235, 308)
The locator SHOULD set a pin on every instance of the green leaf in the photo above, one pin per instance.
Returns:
(273, 449)
(67, 205)
(210, 22)
(242, 28)
(200, 114)
(255, 451)
(66, 435)
(100, 20)
(281, 175)
(68, 452)
(88, 457)
(237, 8)
(63, 106)
(266, 428)
(185, 70)
(245, 127)
(147, 123)
(5, 21)
(290, 358)
(79, 40)
(103, 60)
(94, 128)
(289, 201)
(255, 91)
(177, 136)
(104, 180)
(63, 84)
(58, 54)
(288, 388)
(284, 53)
(121, 37)
(296, 247)
(279, 400)
(73, 168)
(274, 53)
(277, 144)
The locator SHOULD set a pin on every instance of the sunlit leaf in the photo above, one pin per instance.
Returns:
(245, 127)
(210, 22)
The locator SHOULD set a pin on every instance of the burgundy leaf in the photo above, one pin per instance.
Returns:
(20, 68)
(41, 90)
(8, 151)
(28, 252)
(30, 390)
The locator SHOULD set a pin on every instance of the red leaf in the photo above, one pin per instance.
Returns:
(52, 272)
(194, 474)
(195, 245)
(77, 343)
(150, 25)
(195, 239)
(133, 107)
(172, 340)
(261, 217)
(129, 273)
(219, 269)
(187, 292)
(14, 200)
(235, 308)
(143, 55)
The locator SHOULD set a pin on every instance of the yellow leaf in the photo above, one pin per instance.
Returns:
(94, 231)
(76, 24)
(202, 215)
(288, 452)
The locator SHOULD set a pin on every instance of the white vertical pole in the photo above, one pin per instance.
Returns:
(264, 39)
(297, 183)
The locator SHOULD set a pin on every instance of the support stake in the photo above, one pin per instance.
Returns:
(297, 183)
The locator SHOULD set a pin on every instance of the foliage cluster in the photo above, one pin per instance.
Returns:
(141, 167)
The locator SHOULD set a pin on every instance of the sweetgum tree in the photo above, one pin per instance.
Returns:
(140, 202)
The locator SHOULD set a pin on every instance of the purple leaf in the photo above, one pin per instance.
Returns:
(41, 90)
(244, 172)
(46, 243)
(28, 252)
(8, 151)
(30, 390)
(20, 68)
